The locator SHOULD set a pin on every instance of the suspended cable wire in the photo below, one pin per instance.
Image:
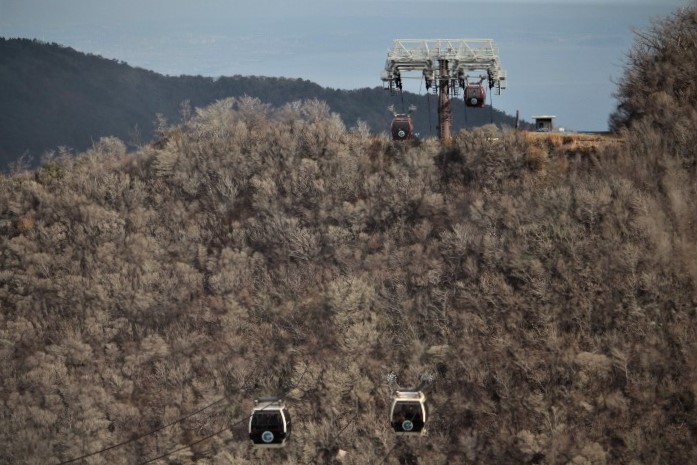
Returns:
(334, 438)
(216, 433)
(191, 444)
(222, 430)
(210, 436)
(388, 453)
(430, 127)
(290, 386)
(137, 438)
(465, 105)
(421, 83)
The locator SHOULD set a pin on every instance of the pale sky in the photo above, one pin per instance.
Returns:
(560, 56)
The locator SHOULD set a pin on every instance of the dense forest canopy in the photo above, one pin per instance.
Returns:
(54, 96)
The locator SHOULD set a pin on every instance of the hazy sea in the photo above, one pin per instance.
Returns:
(562, 60)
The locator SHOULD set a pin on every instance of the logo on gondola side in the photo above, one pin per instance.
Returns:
(407, 425)
(401, 133)
(267, 436)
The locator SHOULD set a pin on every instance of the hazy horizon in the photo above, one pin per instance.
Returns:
(561, 57)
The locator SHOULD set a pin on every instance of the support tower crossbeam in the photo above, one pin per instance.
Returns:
(445, 64)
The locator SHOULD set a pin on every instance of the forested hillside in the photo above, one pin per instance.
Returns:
(54, 96)
(549, 289)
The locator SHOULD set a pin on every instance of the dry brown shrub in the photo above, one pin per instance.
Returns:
(555, 141)
(559, 166)
(537, 159)
(26, 223)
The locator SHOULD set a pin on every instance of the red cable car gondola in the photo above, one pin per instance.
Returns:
(402, 127)
(475, 95)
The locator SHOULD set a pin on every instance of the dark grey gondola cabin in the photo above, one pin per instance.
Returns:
(408, 413)
(269, 423)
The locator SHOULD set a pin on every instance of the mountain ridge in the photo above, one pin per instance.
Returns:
(56, 96)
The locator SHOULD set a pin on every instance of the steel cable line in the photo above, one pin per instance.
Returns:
(388, 453)
(428, 100)
(189, 415)
(421, 83)
(314, 459)
(333, 440)
(210, 436)
(137, 438)
(290, 386)
(425, 384)
(198, 441)
(465, 106)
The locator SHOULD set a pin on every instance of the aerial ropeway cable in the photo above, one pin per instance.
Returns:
(269, 423)
(141, 436)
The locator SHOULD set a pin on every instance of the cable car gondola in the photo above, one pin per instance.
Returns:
(269, 423)
(408, 412)
(402, 127)
(475, 95)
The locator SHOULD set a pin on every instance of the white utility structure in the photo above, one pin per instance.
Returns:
(446, 65)
(544, 123)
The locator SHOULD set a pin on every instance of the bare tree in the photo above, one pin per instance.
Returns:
(658, 88)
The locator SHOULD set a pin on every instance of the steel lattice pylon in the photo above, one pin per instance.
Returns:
(445, 64)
